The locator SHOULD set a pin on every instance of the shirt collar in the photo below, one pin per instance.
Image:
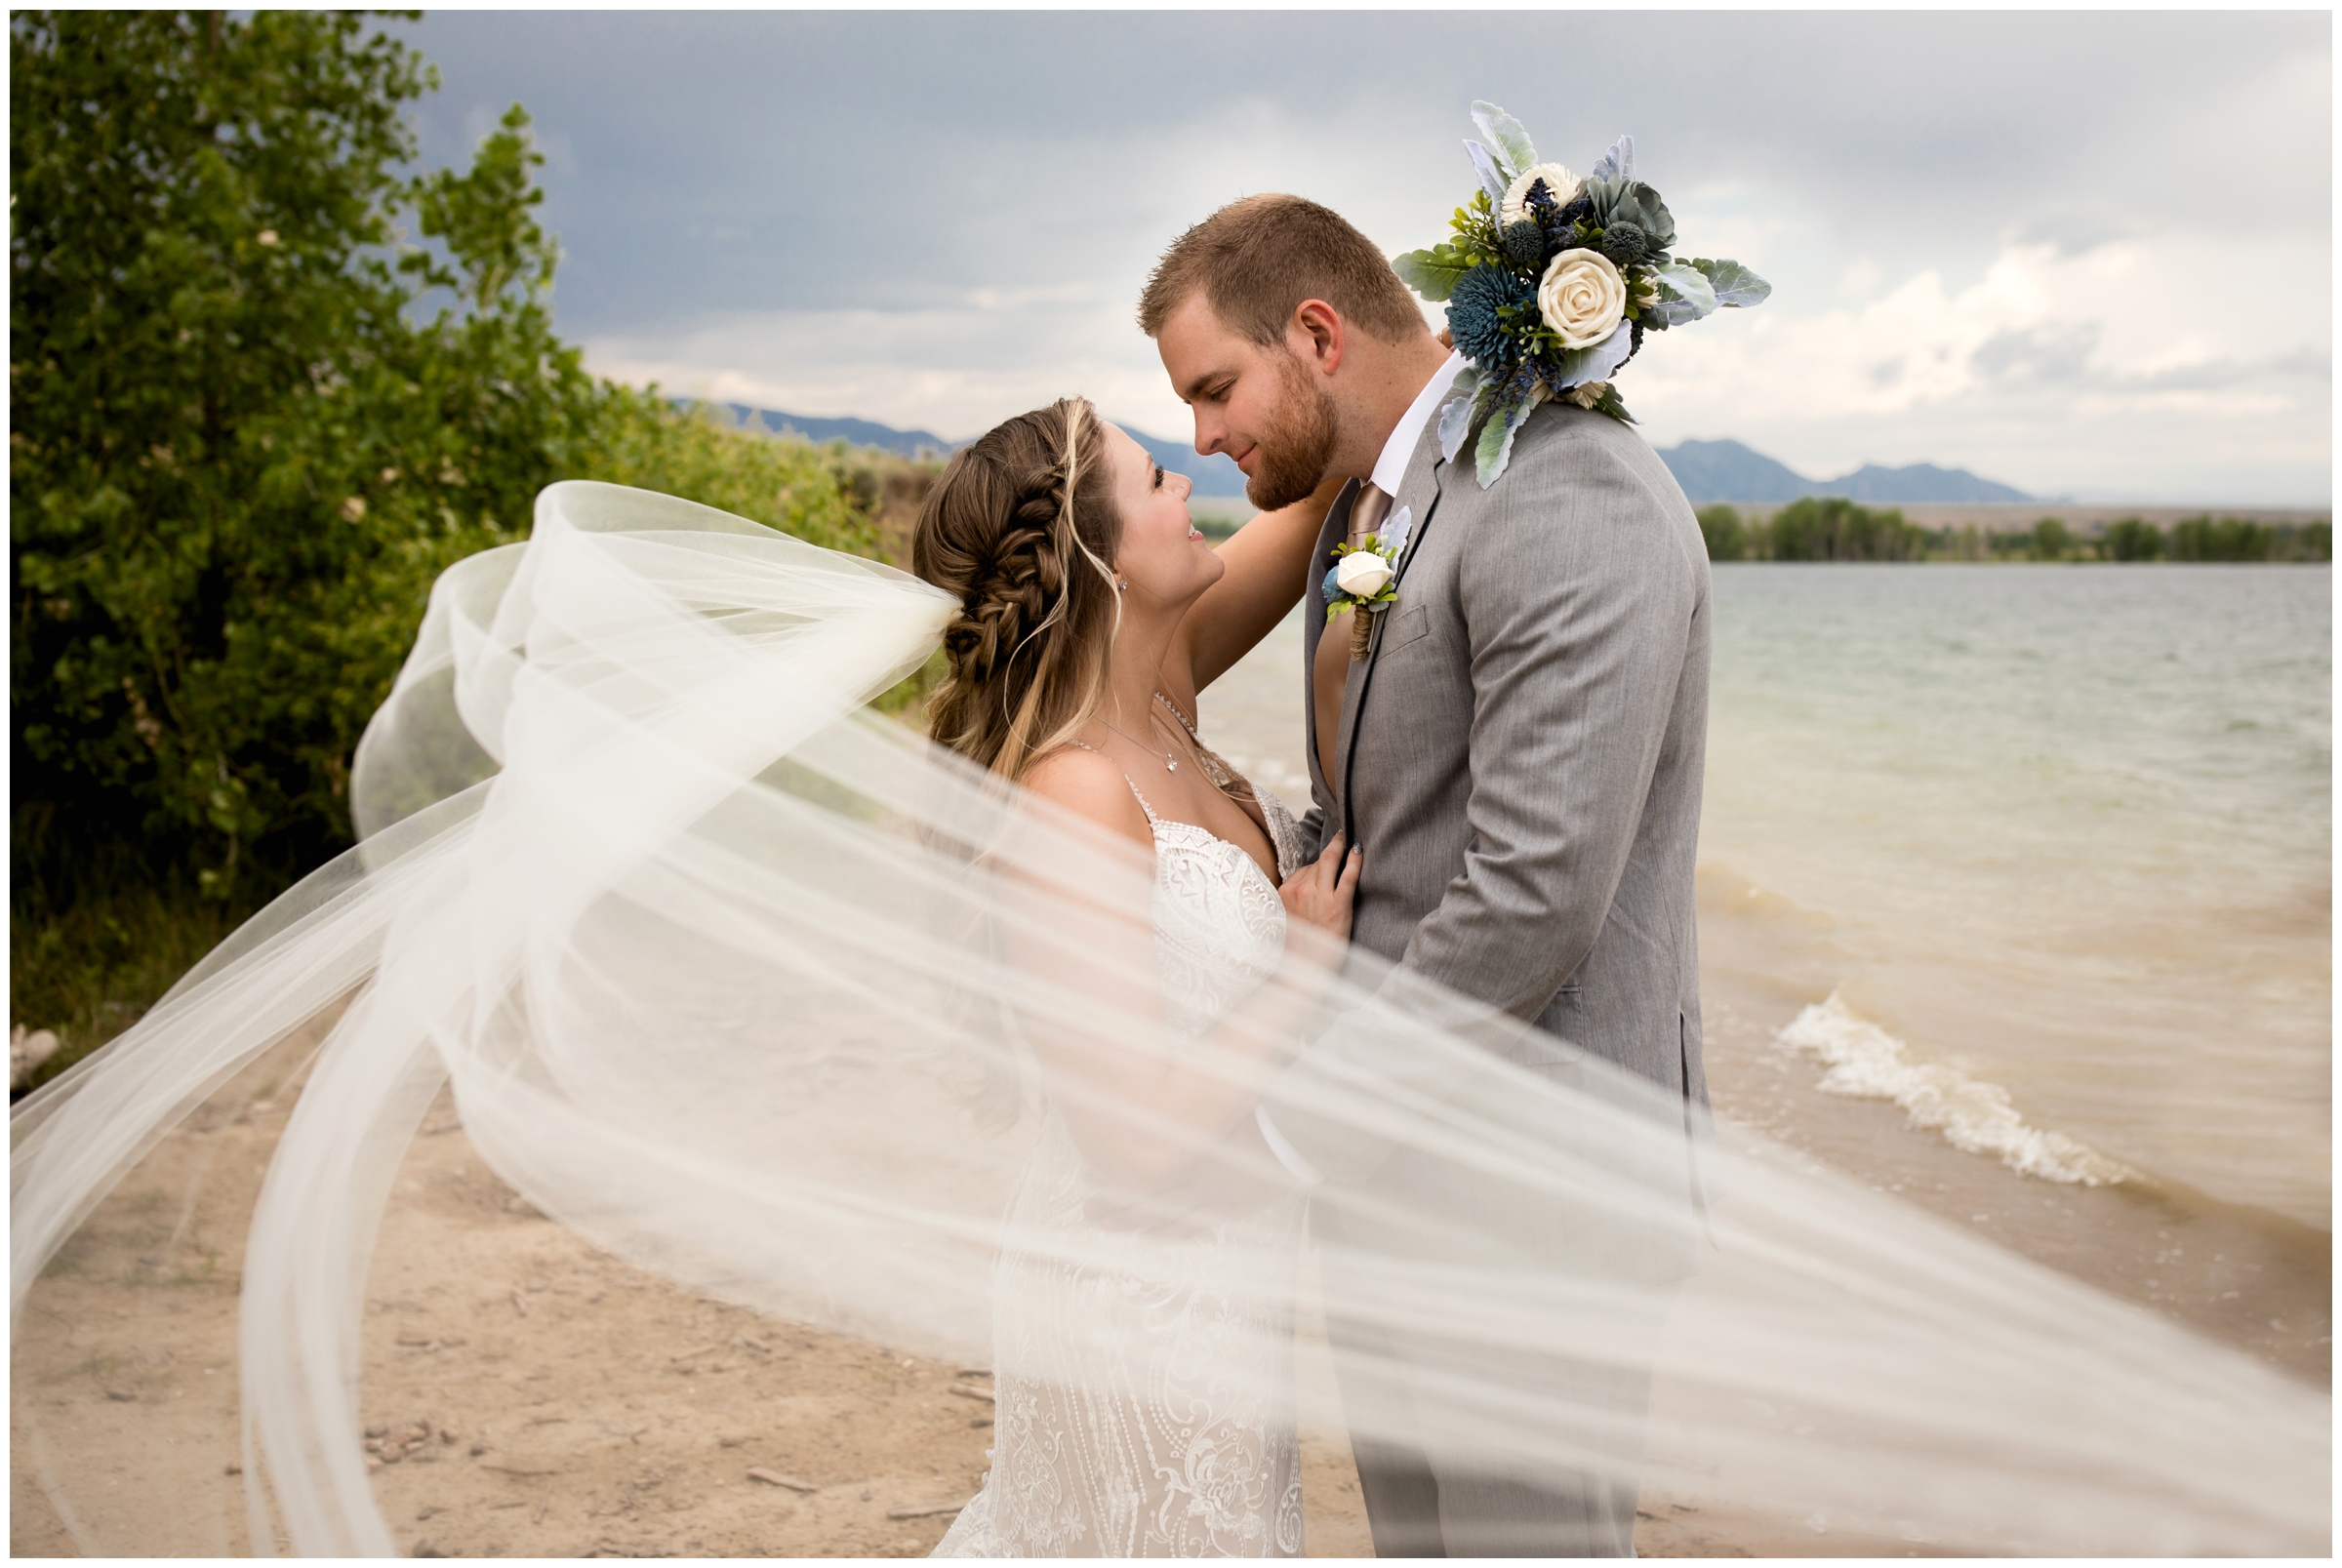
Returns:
(1391, 467)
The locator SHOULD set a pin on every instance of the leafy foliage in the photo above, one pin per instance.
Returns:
(1733, 283)
(1832, 528)
(1728, 537)
(1435, 272)
(2049, 541)
(2132, 539)
(1511, 137)
(233, 457)
(265, 384)
(1617, 164)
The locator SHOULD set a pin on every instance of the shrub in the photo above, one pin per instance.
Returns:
(1832, 528)
(1726, 534)
(250, 425)
(2232, 538)
(2133, 538)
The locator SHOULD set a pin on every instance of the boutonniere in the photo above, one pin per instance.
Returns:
(1364, 579)
(1552, 282)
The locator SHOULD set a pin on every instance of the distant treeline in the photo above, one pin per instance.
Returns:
(1832, 528)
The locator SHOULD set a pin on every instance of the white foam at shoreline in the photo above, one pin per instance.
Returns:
(1866, 1063)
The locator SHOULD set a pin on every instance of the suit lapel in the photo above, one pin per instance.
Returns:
(1313, 626)
(1419, 492)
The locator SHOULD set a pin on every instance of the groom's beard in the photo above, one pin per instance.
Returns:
(1298, 443)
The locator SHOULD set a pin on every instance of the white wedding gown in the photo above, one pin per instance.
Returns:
(1145, 1409)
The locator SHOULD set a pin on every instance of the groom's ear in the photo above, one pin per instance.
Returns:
(1317, 334)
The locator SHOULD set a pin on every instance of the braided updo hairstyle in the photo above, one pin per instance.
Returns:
(1020, 528)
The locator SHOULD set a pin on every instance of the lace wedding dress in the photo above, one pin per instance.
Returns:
(1170, 1449)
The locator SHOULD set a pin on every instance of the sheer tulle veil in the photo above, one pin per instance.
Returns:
(761, 990)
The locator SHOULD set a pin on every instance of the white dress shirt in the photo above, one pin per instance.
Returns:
(1391, 467)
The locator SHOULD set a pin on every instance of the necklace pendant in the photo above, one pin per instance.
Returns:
(1173, 766)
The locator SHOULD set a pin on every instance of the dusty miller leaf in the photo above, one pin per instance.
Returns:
(1512, 138)
(1734, 284)
(1455, 420)
(1595, 363)
(1685, 293)
(1493, 178)
(1618, 164)
(1513, 406)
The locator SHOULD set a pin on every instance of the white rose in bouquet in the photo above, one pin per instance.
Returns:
(1582, 298)
(1362, 573)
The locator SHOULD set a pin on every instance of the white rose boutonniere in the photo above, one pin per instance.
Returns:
(1362, 574)
(1365, 577)
(1582, 298)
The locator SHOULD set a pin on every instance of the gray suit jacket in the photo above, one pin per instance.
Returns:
(1520, 752)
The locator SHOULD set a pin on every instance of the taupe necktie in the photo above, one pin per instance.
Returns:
(1366, 515)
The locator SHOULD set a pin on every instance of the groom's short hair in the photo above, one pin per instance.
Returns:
(1256, 259)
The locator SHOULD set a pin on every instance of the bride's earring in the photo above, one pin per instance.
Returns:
(1121, 584)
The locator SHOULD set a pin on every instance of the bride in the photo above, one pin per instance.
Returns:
(960, 1048)
(1094, 614)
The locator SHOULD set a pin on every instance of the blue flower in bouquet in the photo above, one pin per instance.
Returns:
(1485, 311)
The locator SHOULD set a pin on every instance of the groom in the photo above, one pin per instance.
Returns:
(1516, 746)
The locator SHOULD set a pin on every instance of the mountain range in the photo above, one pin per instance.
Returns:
(1726, 470)
(1214, 476)
(1708, 470)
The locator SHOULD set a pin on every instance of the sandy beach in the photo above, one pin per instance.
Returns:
(528, 1395)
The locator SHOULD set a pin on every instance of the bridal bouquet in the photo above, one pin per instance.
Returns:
(1550, 282)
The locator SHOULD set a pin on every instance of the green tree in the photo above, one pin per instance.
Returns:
(231, 453)
(1832, 528)
(1726, 534)
(2231, 539)
(265, 384)
(2311, 542)
(2050, 540)
(252, 422)
(2133, 538)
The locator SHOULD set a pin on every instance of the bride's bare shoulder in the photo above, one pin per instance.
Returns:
(1090, 786)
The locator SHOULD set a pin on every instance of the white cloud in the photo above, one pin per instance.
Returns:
(954, 369)
(2031, 317)
(2121, 370)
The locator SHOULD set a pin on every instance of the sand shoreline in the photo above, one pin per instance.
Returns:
(2246, 1278)
(569, 1404)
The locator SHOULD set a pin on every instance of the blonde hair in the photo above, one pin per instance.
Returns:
(1020, 527)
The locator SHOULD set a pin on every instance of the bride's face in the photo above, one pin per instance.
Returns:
(1167, 562)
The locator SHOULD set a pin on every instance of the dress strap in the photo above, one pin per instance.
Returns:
(1152, 821)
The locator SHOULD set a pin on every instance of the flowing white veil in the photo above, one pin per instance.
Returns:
(767, 994)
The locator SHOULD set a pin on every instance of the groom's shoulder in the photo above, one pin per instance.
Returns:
(1564, 445)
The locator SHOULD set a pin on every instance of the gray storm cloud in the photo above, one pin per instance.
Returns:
(807, 202)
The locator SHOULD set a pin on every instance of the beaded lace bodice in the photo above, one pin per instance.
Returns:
(1140, 1415)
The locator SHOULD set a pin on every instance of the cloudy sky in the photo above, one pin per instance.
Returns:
(2088, 253)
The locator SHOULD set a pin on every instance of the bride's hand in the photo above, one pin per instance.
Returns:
(1319, 893)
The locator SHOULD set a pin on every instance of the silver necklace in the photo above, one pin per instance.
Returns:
(1215, 769)
(1170, 762)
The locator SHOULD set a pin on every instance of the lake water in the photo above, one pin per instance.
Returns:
(2057, 840)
